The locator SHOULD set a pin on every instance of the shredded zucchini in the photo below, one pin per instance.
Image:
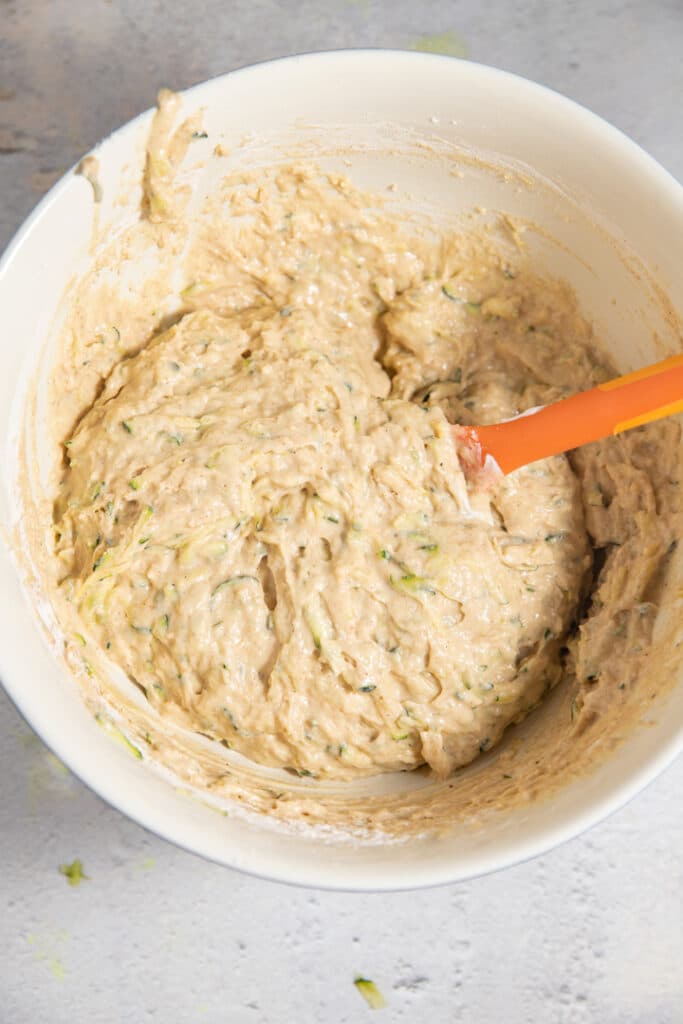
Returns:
(116, 734)
(233, 581)
(370, 993)
(73, 872)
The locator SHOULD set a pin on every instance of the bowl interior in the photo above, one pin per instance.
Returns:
(451, 136)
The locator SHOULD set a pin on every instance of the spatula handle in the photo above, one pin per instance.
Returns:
(629, 401)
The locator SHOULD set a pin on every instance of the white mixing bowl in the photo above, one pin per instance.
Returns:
(456, 135)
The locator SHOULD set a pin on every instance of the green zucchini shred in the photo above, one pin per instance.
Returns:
(232, 581)
(116, 734)
(73, 872)
(370, 993)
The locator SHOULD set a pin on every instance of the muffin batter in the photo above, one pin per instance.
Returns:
(262, 518)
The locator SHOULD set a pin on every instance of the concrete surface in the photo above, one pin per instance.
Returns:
(590, 933)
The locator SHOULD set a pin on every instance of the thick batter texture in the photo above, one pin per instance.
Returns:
(263, 520)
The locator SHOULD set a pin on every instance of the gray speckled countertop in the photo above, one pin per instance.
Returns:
(592, 932)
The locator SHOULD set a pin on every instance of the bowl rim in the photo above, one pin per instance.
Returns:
(390, 877)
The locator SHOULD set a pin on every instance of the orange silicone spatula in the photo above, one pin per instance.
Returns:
(629, 401)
